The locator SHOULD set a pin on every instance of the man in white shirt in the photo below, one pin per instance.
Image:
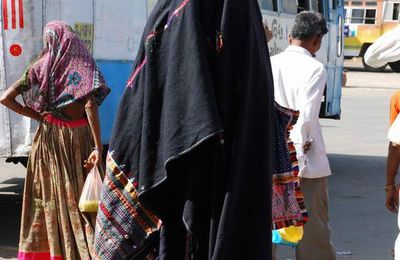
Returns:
(299, 82)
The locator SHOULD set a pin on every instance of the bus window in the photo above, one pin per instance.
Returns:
(289, 6)
(357, 16)
(302, 5)
(391, 12)
(396, 10)
(371, 3)
(268, 5)
(340, 37)
(316, 5)
(370, 15)
(294, 7)
(362, 16)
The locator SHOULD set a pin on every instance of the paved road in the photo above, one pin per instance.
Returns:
(11, 187)
(362, 227)
(357, 146)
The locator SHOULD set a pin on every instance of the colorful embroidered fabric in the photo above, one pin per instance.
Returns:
(123, 224)
(288, 207)
(64, 72)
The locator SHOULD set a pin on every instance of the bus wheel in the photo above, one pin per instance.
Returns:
(395, 66)
(372, 69)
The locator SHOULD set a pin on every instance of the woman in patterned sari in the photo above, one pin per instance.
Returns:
(62, 89)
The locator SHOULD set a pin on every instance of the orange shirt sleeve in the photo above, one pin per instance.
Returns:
(394, 106)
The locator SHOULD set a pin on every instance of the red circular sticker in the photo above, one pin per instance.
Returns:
(15, 50)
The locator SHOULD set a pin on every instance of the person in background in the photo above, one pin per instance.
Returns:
(393, 160)
(384, 50)
(62, 89)
(299, 83)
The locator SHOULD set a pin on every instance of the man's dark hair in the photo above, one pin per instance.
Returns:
(308, 24)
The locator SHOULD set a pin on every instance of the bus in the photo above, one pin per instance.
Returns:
(114, 46)
(365, 21)
(279, 16)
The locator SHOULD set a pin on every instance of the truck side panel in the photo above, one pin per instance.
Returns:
(18, 50)
(111, 29)
(116, 74)
(5, 131)
(118, 33)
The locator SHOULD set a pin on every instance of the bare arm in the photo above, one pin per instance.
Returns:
(91, 110)
(392, 165)
(8, 100)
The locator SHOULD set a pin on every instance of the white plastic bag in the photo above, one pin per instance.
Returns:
(394, 131)
(89, 200)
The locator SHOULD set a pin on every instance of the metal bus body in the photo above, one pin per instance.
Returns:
(280, 14)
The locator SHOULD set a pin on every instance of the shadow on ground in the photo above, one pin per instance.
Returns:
(362, 228)
(14, 185)
(360, 222)
(361, 69)
(8, 253)
(10, 207)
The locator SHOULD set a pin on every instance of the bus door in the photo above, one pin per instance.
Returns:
(333, 12)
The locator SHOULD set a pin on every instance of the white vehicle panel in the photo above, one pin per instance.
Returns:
(115, 31)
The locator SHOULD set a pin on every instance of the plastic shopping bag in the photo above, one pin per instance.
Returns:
(89, 200)
(289, 236)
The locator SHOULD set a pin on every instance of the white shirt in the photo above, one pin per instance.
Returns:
(385, 49)
(299, 83)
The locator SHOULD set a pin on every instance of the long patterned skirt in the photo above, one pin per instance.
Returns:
(52, 227)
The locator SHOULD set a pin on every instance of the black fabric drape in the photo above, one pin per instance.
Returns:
(194, 129)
